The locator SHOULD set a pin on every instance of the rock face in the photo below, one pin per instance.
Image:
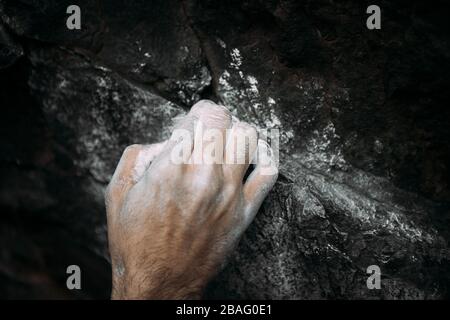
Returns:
(362, 115)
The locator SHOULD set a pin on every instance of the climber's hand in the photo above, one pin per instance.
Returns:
(171, 224)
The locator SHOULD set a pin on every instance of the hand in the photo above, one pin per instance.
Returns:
(171, 225)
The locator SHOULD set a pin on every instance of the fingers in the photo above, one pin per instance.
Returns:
(212, 114)
(260, 181)
(194, 133)
(179, 146)
(239, 151)
(212, 122)
(134, 162)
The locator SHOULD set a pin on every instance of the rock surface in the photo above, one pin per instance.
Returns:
(10, 51)
(362, 115)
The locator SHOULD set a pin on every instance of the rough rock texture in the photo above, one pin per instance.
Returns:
(10, 51)
(362, 114)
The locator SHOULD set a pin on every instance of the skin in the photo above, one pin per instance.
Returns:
(171, 226)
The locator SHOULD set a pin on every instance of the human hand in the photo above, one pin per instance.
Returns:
(171, 225)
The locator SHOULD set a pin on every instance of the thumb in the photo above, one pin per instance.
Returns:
(134, 162)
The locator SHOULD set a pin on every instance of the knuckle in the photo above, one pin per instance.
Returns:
(231, 190)
(276, 171)
(248, 129)
(132, 149)
(207, 106)
(221, 112)
(164, 173)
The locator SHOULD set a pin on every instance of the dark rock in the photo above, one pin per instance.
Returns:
(363, 122)
(147, 41)
(10, 51)
(317, 234)
(95, 108)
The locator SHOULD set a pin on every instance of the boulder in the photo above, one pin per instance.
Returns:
(361, 114)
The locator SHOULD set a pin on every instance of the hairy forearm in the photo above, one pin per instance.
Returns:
(156, 286)
(130, 292)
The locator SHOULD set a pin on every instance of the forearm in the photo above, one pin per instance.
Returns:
(152, 286)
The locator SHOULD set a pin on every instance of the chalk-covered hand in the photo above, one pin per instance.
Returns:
(176, 209)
